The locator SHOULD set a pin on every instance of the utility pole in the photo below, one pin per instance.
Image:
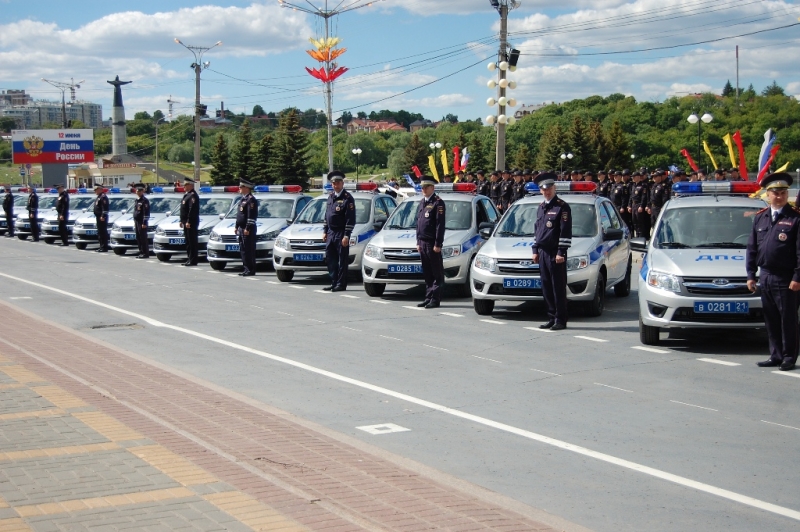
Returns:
(64, 87)
(157, 122)
(199, 110)
(505, 62)
(737, 73)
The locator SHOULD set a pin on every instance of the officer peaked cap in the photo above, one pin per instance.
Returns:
(245, 183)
(545, 180)
(98, 185)
(427, 180)
(336, 175)
(139, 186)
(777, 180)
(188, 181)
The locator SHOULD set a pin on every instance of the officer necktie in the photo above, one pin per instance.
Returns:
(774, 216)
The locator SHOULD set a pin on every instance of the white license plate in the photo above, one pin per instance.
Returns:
(91, 232)
(405, 268)
(177, 241)
(232, 247)
(522, 283)
(721, 307)
(129, 236)
(308, 257)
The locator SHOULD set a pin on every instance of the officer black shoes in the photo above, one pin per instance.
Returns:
(768, 363)
(558, 327)
(328, 288)
(424, 303)
(787, 365)
(548, 325)
(432, 304)
(338, 289)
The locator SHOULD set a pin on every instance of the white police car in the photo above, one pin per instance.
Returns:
(277, 206)
(694, 273)
(391, 257)
(215, 203)
(123, 235)
(18, 209)
(22, 223)
(299, 248)
(80, 200)
(84, 231)
(600, 256)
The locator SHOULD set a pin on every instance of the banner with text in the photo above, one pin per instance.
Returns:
(49, 146)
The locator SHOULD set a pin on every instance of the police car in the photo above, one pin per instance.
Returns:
(123, 234)
(22, 223)
(600, 256)
(84, 231)
(18, 209)
(277, 205)
(80, 200)
(299, 248)
(693, 273)
(215, 202)
(392, 257)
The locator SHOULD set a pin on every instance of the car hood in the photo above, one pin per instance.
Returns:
(52, 215)
(520, 248)
(698, 262)
(173, 223)
(89, 217)
(152, 221)
(314, 231)
(407, 238)
(263, 226)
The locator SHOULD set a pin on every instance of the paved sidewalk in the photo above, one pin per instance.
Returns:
(93, 438)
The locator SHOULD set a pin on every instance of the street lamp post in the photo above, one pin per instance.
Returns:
(357, 152)
(435, 146)
(693, 119)
(64, 87)
(158, 122)
(198, 66)
(565, 156)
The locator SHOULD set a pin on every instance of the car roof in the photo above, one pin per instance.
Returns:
(569, 198)
(279, 195)
(707, 200)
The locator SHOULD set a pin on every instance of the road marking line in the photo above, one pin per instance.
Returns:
(297, 287)
(696, 406)
(614, 387)
(390, 337)
(206, 295)
(591, 338)
(259, 308)
(379, 302)
(461, 414)
(548, 372)
(349, 297)
(322, 291)
(451, 314)
(231, 301)
(434, 347)
(351, 329)
(284, 313)
(310, 319)
(537, 329)
(720, 362)
(386, 428)
(20, 298)
(787, 374)
(232, 275)
(489, 359)
(787, 426)
(494, 322)
(251, 279)
(650, 349)
(413, 308)
(273, 282)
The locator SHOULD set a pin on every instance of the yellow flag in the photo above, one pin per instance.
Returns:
(729, 143)
(444, 162)
(784, 167)
(432, 165)
(710, 155)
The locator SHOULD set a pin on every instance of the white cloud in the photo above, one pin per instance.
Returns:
(464, 7)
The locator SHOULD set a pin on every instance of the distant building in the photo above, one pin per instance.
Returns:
(14, 97)
(525, 110)
(359, 125)
(420, 124)
(32, 114)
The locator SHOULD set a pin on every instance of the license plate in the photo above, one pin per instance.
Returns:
(129, 237)
(91, 232)
(308, 257)
(232, 247)
(177, 241)
(522, 283)
(721, 307)
(25, 226)
(405, 268)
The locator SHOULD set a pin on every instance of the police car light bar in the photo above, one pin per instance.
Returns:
(206, 190)
(291, 189)
(368, 187)
(565, 186)
(716, 187)
(455, 187)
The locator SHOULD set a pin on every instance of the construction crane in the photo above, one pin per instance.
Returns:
(64, 87)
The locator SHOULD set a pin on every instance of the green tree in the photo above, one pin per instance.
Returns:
(728, 89)
(599, 146)
(181, 153)
(158, 115)
(550, 147)
(242, 156)
(7, 124)
(578, 144)
(346, 118)
(523, 158)
(396, 163)
(773, 90)
(222, 173)
(416, 154)
(477, 155)
(142, 115)
(290, 147)
(618, 146)
(750, 93)
(258, 111)
(261, 157)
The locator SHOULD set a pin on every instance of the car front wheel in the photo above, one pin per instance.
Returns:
(648, 335)
(483, 307)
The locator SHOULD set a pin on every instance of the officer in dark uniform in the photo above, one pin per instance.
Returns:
(246, 230)
(774, 246)
(638, 206)
(8, 209)
(659, 195)
(620, 198)
(101, 217)
(190, 221)
(604, 185)
(33, 213)
(430, 238)
(496, 191)
(340, 220)
(518, 190)
(553, 238)
(141, 218)
(483, 186)
(506, 190)
(62, 209)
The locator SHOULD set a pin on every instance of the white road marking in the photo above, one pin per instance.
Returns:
(434, 347)
(259, 308)
(273, 282)
(251, 279)
(390, 338)
(553, 442)
(232, 275)
(211, 271)
(695, 406)
(322, 291)
(650, 349)
(351, 329)
(350, 297)
(297, 287)
(378, 301)
(20, 298)
(231, 301)
(786, 426)
(787, 374)
(548, 372)
(409, 307)
(494, 322)
(489, 359)
(206, 295)
(537, 329)
(591, 338)
(720, 362)
(614, 387)
(284, 313)
(451, 314)
(386, 428)
(310, 319)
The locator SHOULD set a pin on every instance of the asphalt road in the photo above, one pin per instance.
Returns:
(581, 423)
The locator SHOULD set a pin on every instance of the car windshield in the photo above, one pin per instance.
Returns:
(47, 202)
(76, 204)
(270, 208)
(521, 221)
(159, 205)
(314, 213)
(457, 217)
(705, 227)
(211, 206)
(20, 201)
(119, 204)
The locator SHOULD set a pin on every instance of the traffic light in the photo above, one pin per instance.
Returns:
(514, 57)
(202, 110)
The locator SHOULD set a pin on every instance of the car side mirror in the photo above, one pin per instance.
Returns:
(485, 232)
(485, 225)
(639, 244)
(289, 221)
(221, 216)
(379, 223)
(613, 234)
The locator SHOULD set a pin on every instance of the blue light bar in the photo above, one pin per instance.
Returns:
(83, 191)
(716, 187)
(205, 190)
(157, 189)
(115, 191)
(279, 188)
(565, 186)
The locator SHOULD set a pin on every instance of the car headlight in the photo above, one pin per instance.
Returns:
(78, 226)
(664, 281)
(451, 251)
(266, 237)
(160, 231)
(373, 252)
(485, 262)
(215, 237)
(205, 231)
(282, 242)
(115, 227)
(577, 263)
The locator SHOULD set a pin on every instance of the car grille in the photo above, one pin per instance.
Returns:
(89, 226)
(706, 286)
(688, 314)
(229, 238)
(401, 254)
(307, 245)
(173, 232)
(498, 289)
(517, 266)
(126, 229)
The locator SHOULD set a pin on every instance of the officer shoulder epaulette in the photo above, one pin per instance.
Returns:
(561, 202)
(795, 209)
(762, 210)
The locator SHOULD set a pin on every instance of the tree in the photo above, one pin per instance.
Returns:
(599, 146)
(578, 143)
(773, 90)
(396, 163)
(416, 154)
(450, 117)
(261, 156)
(618, 146)
(523, 159)
(290, 147)
(221, 174)
(361, 115)
(346, 118)
(477, 155)
(181, 153)
(142, 115)
(750, 93)
(728, 89)
(258, 111)
(158, 115)
(551, 147)
(242, 157)
(7, 124)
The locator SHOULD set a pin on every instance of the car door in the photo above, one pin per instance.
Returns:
(616, 255)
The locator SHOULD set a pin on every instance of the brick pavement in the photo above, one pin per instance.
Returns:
(94, 438)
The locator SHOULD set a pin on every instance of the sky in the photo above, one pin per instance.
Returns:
(422, 56)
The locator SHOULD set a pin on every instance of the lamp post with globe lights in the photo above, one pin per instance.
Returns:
(693, 119)
(564, 157)
(506, 61)
(435, 146)
(357, 152)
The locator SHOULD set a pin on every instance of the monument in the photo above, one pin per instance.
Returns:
(119, 137)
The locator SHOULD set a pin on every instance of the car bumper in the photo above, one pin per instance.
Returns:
(661, 308)
(284, 260)
(80, 235)
(127, 240)
(216, 251)
(456, 271)
(161, 244)
(489, 285)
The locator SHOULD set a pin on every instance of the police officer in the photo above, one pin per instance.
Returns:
(483, 187)
(33, 213)
(659, 195)
(773, 246)
(8, 209)
(638, 206)
(101, 217)
(340, 220)
(518, 190)
(620, 198)
(506, 190)
(553, 238)
(496, 191)
(141, 217)
(62, 209)
(430, 238)
(190, 221)
(246, 228)
(604, 185)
